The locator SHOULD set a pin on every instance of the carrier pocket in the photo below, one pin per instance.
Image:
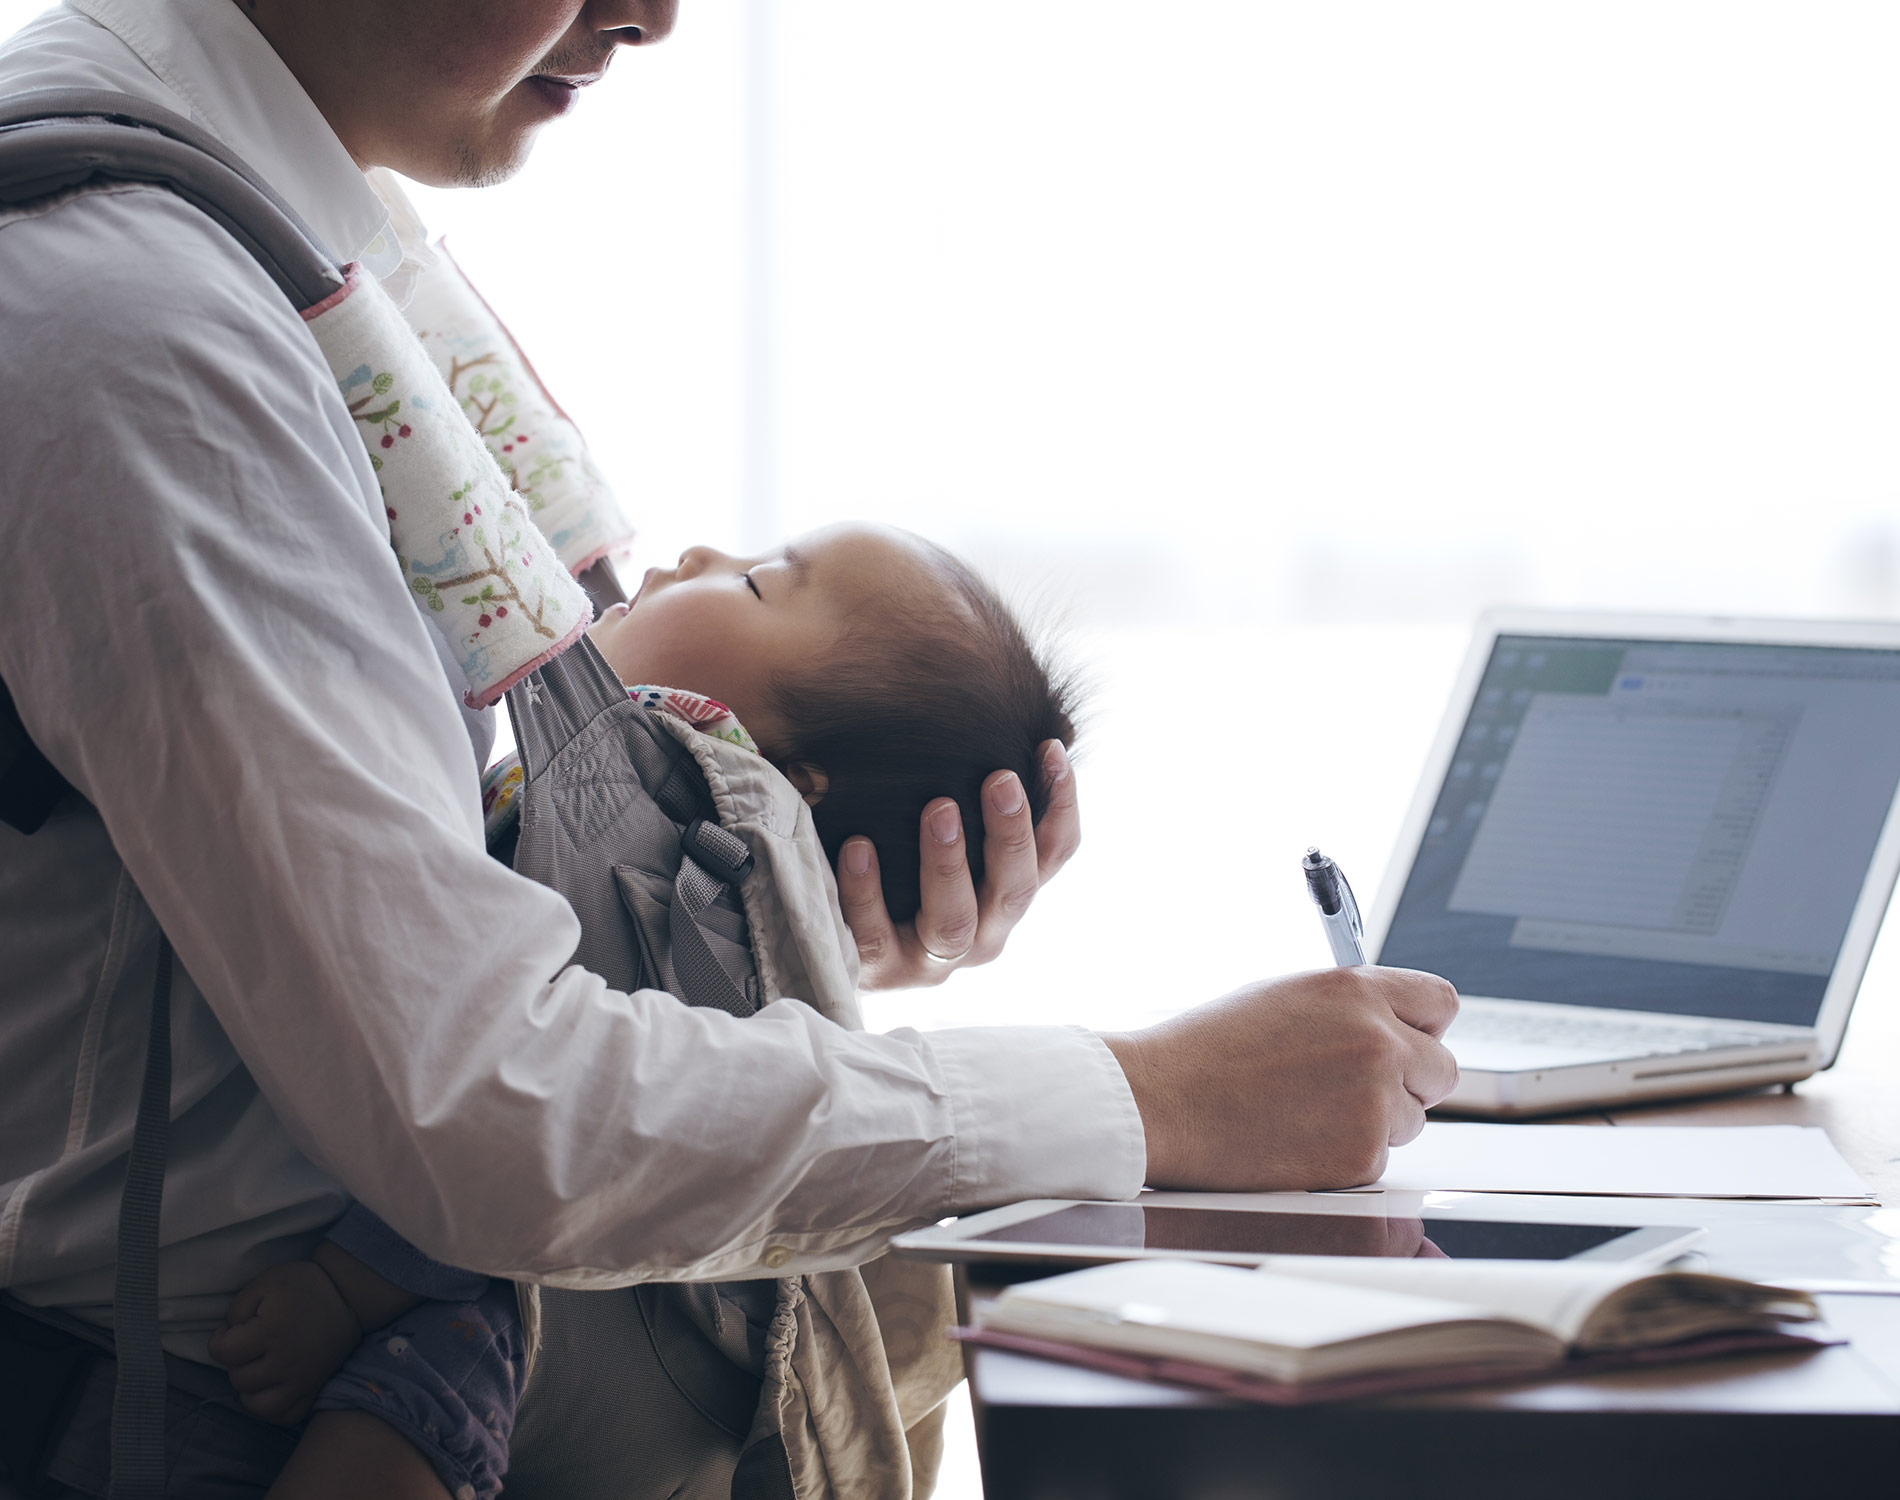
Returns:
(648, 898)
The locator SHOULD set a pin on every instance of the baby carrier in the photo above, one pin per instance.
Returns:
(701, 875)
(693, 868)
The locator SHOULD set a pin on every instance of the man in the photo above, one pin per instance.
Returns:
(208, 635)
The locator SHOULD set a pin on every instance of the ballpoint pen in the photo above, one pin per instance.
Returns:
(1338, 912)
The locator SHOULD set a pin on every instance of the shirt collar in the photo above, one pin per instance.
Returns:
(211, 56)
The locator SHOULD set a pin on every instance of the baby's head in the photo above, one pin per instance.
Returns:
(872, 667)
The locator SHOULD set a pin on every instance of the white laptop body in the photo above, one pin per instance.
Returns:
(1652, 852)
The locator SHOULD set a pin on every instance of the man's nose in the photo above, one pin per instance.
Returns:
(633, 23)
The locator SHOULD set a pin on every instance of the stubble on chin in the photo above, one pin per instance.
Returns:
(476, 166)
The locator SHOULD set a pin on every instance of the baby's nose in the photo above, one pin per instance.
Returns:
(695, 560)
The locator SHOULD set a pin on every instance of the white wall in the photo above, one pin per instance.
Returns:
(1267, 310)
(1240, 309)
(1380, 309)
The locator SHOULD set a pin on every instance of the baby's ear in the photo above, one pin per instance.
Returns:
(811, 781)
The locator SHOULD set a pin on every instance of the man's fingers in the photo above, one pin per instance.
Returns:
(1059, 833)
(956, 923)
(1011, 870)
(862, 897)
(1422, 1001)
(1408, 1119)
(1431, 1072)
(947, 912)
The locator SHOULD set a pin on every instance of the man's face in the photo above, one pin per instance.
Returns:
(451, 92)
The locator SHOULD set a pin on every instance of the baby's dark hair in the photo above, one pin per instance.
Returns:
(902, 716)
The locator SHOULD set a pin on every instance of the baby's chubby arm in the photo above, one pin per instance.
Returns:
(291, 1329)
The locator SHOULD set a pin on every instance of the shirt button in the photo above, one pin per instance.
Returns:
(776, 1257)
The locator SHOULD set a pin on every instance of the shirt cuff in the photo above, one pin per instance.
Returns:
(1041, 1112)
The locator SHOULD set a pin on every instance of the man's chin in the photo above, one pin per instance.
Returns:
(469, 161)
(478, 170)
(493, 161)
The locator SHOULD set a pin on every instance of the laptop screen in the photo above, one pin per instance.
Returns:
(1654, 825)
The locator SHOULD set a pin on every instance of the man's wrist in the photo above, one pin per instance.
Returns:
(1132, 1053)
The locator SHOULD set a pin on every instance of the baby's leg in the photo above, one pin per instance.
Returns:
(429, 1402)
(353, 1453)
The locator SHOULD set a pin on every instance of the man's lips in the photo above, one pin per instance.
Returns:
(574, 80)
(560, 91)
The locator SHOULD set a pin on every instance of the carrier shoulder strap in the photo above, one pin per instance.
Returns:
(55, 139)
(52, 140)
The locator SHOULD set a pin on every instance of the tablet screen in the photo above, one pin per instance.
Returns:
(1137, 1226)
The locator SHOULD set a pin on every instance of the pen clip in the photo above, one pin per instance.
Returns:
(1349, 904)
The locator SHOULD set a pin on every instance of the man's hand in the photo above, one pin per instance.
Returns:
(284, 1335)
(961, 923)
(1301, 1082)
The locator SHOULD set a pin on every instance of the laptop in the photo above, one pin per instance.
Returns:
(1652, 853)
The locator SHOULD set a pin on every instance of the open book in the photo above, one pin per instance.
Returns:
(1314, 1328)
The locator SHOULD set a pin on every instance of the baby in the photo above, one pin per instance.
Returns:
(877, 673)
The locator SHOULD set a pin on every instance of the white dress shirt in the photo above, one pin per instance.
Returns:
(207, 633)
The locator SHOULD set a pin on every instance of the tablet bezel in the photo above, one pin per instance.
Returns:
(959, 1240)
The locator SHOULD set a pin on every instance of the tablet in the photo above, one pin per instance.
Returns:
(1052, 1230)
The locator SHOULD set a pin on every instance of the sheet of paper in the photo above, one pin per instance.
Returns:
(1639, 1161)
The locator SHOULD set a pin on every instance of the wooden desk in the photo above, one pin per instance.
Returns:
(1776, 1426)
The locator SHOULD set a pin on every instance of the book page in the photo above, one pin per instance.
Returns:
(1283, 1328)
(1558, 1296)
(1674, 1305)
(1590, 1304)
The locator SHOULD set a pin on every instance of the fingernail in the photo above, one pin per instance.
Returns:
(945, 825)
(1006, 795)
(857, 856)
(1055, 765)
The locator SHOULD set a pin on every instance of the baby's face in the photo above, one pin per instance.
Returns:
(729, 627)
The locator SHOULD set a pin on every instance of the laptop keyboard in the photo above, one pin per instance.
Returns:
(1612, 1037)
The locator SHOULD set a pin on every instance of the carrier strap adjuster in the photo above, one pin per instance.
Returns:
(722, 852)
